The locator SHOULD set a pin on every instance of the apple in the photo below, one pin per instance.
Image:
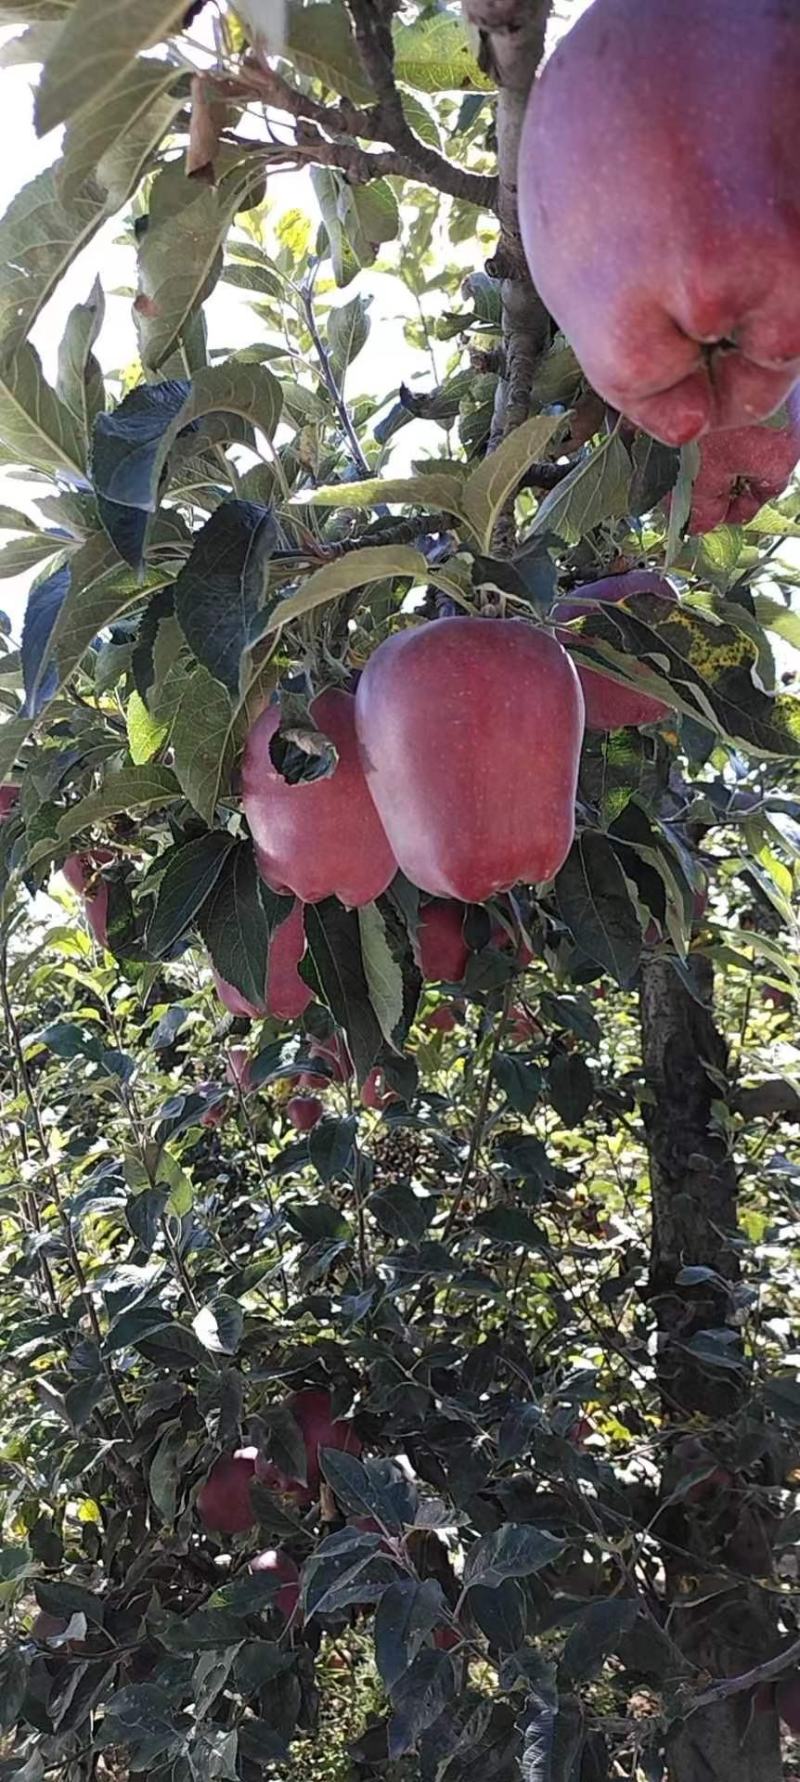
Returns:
(336, 1053)
(304, 1112)
(267, 1473)
(502, 940)
(322, 838)
(218, 1111)
(609, 705)
(470, 733)
(237, 1070)
(223, 1501)
(787, 1697)
(286, 997)
(312, 1411)
(659, 197)
(375, 1093)
(9, 796)
(443, 1019)
(441, 950)
(445, 1638)
(742, 468)
(280, 1565)
(83, 875)
(775, 997)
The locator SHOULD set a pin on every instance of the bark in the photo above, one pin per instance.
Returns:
(694, 1197)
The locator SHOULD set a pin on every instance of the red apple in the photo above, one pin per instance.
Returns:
(223, 1502)
(312, 1410)
(217, 1113)
(522, 1027)
(441, 950)
(323, 838)
(237, 1071)
(83, 875)
(9, 796)
(659, 187)
(267, 1473)
(470, 732)
(609, 705)
(502, 940)
(286, 997)
(445, 1638)
(375, 1094)
(442, 1019)
(304, 1112)
(742, 468)
(280, 1565)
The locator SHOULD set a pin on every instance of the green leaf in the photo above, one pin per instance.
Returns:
(681, 501)
(234, 926)
(80, 379)
(348, 332)
(571, 1086)
(105, 122)
(382, 971)
(517, 1550)
(373, 563)
(24, 553)
(128, 157)
(433, 54)
(431, 489)
(221, 588)
(418, 1699)
(337, 972)
(594, 901)
(40, 236)
(180, 254)
(489, 487)
(220, 1324)
(597, 489)
(129, 789)
(35, 425)
(202, 741)
(783, 620)
(596, 1635)
(145, 736)
(188, 879)
(100, 41)
(320, 42)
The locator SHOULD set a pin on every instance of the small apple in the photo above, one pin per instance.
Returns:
(9, 797)
(280, 1565)
(741, 469)
(311, 1409)
(83, 873)
(335, 1052)
(375, 1094)
(286, 996)
(304, 1112)
(444, 1018)
(441, 950)
(787, 1697)
(238, 1069)
(223, 1502)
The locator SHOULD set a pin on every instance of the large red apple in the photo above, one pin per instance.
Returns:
(280, 1565)
(659, 187)
(286, 997)
(9, 796)
(442, 952)
(312, 1410)
(741, 468)
(609, 705)
(83, 873)
(323, 838)
(223, 1502)
(470, 733)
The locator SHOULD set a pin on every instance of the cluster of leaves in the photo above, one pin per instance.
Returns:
(467, 1274)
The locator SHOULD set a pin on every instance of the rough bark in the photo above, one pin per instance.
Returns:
(694, 1198)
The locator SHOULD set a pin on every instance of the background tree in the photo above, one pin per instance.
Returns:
(398, 1325)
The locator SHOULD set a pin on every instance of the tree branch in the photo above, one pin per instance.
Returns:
(362, 166)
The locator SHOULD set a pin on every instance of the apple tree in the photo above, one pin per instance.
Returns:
(397, 1196)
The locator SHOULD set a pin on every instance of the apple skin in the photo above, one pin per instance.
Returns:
(741, 469)
(324, 838)
(81, 871)
(374, 1092)
(609, 705)
(9, 797)
(470, 732)
(223, 1502)
(441, 950)
(659, 188)
(286, 997)
(304, 1112)
(312, 1410)
(274, 1560)
(442, 1019)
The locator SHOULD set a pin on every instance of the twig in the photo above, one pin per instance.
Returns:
(761, 1673)
(336, 395)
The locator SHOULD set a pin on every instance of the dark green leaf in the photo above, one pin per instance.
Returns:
(190, 875)
(571, 1087)
(594, 902)
(337, 973)
(234, 926)
(595, 1636)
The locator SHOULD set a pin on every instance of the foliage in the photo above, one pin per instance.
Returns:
(464, 1270)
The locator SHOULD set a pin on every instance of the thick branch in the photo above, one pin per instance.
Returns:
(362, 166)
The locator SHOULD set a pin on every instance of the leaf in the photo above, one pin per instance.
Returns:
(145, 736)
(597, 489)
(402, 1213)
(13, 1686)
(80, 379)
(163, 1477)
(344, 1570)
(128, 789)
(129, 156)
(39, 672)
(407, 1611)
(782, 1395)
(108, 119)
(489, 487)
(593, 900)
(95, 49)
(202, 741)
(418, 1698)
(220, 591)
(571, 1086)
(220, 1325)
(681, 501)
(23, 554)
(40, 236)
(433, 54)
(180, 257)
(538, 1737)
(517, 1550)
(373, 563)
(595, 1636)
(520, 1082)
(348, 332)
(320, 42)
(234, 926)
(433, 489)
(35, 425)
(382, 971)
(784, 620)
(189, 877)
(334, 954)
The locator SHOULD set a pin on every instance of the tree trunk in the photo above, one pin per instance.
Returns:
(694, 1196)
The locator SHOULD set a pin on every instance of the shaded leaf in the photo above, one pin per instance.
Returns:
(487, 490)
(189, 877)
(220, 591)
(234, 927)
(593, 900)
(99, 42)
(517, 1550)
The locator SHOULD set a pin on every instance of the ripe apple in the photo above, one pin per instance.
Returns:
(322, 838)
(237, 1070)
(280, 1565)
(223, 1502)
(375, 1093)
(83, 875)
(609, 705)
(286, 997)
(659, 187)
(9, 796)
(312, 1410)
(741, 468)
(443, 1019)
(304, 1112)
(441, 950)
(445, 1638)
(470, 733)
(267, 1473)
